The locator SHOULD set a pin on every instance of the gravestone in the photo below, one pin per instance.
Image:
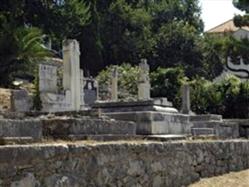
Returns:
(144, 81)
(186, 106)
(47, 78)
(114, 90)
(90, 91)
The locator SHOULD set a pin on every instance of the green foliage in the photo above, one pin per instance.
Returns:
(167, 83)
(165, 12)
(198, 95)
(59, 19)
(126, 31)
(37, 103)
(213, 55)
(215, 50)
(20, 49)
(127, 82)
(244, 6)
(177, 46)
(229, 97)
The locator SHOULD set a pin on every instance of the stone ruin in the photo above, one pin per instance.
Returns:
(78, 92)
(71, 98)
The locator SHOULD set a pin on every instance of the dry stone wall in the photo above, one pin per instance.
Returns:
(120, 163)
(5, 99)
(14, 100)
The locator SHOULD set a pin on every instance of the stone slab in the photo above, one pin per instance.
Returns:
(202, 131)
(21, 128)
(16, 140)
(158, 104)
(115, 137)
(228, 130)
(241, 126)
(151, 122)
(206, 117)
(206, 124)
(166, 137)
(89, 126)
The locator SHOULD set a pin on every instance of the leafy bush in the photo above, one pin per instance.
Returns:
(229, 97)
(127, 82)
(167, 83)
(37, 103)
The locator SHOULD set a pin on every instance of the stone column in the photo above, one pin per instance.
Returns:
(144, 81)
(114, 90)
(186, 106)
(82, 84)
(96, 85)
(71, 74)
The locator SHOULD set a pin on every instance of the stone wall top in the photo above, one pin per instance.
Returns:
(120, 163)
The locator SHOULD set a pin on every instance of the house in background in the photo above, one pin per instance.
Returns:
(229, 27)
(240, 69)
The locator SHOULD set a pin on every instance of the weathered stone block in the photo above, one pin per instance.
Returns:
(21, 128)
(65, 127)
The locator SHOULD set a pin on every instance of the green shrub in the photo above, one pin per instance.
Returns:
(167, 83)
(127, 82)
(229, 98)
(37, 103)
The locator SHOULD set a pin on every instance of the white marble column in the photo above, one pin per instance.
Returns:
(71, 74)
(144, 81)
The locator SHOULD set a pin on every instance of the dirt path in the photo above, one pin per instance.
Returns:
(233, 179)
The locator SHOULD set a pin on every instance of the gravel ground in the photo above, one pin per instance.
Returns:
(233, 179)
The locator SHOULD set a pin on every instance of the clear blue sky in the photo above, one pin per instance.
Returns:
(215, 12)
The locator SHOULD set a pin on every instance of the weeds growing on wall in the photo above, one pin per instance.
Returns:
(37, 103)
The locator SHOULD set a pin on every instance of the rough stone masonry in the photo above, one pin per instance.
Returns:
(119, 164)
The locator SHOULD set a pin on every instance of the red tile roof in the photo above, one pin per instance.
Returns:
(227, 26)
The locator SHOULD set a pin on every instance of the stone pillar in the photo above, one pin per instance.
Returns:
(186, 106)
(96, 85)
(144, 81)
(114, 90)
(82, 84)
(71, 74)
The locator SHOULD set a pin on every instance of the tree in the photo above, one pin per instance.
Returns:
(244, 6)
(22, 28)
(128, 30)
(59, 19)
(177, 46)
(214, 51)
(20, 49)
(125, 32)
(176, 10)
(167, 83)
